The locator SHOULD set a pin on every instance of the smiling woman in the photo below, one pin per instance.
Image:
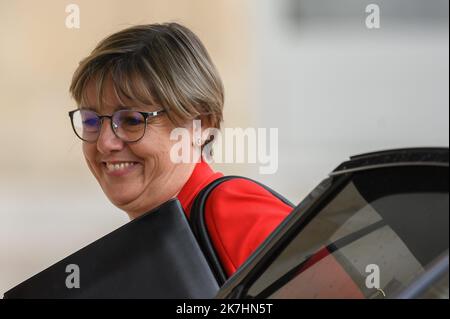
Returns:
(142, 83)
(163, 69)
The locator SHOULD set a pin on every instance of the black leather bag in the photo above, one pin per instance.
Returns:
(153, 256)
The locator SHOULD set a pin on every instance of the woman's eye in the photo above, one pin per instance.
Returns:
(90, 122)
(132, 121)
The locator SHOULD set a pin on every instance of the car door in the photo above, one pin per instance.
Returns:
(376, 228)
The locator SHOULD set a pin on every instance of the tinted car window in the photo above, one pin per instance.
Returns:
(382, 230)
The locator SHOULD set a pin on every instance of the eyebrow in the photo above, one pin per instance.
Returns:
(117, 108)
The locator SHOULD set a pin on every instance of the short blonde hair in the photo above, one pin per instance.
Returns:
(156, 64)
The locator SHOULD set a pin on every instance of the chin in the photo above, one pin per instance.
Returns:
(120, 198)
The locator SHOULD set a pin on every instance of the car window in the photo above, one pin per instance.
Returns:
(381, 231)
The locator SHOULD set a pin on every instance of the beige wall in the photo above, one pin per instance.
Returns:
(38, 55)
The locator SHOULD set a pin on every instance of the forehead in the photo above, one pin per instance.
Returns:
(110, 100)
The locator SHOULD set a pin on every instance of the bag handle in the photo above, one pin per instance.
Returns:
(200, 230)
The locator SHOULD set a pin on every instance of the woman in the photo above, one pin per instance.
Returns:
(134, 88)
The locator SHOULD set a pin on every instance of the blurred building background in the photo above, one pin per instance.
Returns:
(312, 69)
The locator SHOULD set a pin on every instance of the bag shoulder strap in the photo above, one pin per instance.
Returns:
(198, 223)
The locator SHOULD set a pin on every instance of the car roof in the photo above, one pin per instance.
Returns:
(432, 156)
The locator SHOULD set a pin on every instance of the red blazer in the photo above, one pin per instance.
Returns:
(239, 214)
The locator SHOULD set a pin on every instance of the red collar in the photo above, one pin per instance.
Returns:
(200, 177)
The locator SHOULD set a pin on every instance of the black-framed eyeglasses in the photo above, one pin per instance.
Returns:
(128, 125)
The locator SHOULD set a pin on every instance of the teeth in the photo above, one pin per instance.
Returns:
(118, 166)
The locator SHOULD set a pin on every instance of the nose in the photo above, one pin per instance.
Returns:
(107, 141)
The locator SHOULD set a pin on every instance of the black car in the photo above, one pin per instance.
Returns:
(377, 227)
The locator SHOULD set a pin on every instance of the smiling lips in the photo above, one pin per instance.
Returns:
(119, 168)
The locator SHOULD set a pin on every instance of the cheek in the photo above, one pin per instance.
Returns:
(150, 152)
(155, 149)
(89, 152)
